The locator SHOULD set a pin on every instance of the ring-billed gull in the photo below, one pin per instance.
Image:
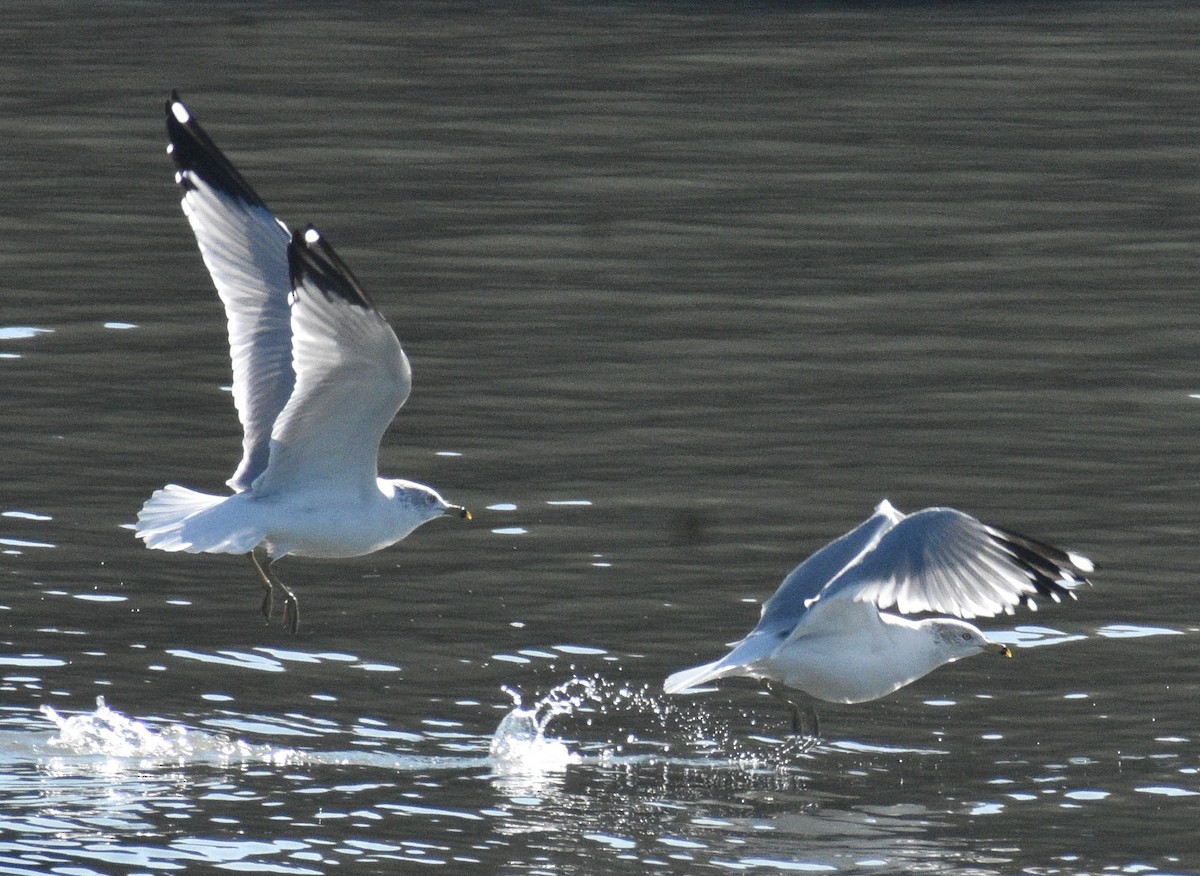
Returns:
(825, 631)
(318, 374)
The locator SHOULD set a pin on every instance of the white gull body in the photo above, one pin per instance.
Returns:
(318, 374)
(826, 631)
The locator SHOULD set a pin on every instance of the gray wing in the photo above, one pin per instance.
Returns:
(941, 560)
(781, 612)
(245, 249)
(351, 378)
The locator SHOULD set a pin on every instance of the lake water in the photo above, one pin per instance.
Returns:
(687, 290)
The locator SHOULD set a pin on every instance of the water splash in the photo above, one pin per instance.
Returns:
(616, 723)
(110, 734)
(519, 745)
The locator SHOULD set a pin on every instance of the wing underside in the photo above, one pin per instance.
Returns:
(351, 376)
(244, 248)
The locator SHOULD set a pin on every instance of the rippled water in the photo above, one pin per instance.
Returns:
(687, 290)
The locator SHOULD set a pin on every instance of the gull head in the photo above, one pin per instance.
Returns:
(420, 501)
(955, 639)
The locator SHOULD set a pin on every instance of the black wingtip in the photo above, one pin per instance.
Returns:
(310, 256)
(193, 151)
(1051, 570)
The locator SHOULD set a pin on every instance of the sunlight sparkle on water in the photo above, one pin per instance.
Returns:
(26, 515)
(21, 332)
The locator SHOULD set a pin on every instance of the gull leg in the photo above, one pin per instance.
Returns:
(291, 605)
(271, 582)
(268, 585)
(794, 709)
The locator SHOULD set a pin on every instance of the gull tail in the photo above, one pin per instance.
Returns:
(687, 680)
(742, 660)
(178, 519)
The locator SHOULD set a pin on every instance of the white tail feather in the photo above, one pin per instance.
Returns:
(178, 519)
(742, 660)
(685, 680)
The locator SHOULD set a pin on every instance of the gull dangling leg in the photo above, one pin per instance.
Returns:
(268, 602)
(270, 581)
(794, 709)
(291, 605)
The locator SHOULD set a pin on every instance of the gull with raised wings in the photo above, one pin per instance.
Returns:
(826, 631)
(318, 374)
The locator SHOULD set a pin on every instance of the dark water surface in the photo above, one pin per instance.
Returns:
(687, 290)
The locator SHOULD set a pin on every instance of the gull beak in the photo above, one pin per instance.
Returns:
(1004, 650)
(461, 511)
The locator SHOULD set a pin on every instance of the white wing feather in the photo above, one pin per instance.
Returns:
(945, 561)
(244, 248)
(351, 378)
